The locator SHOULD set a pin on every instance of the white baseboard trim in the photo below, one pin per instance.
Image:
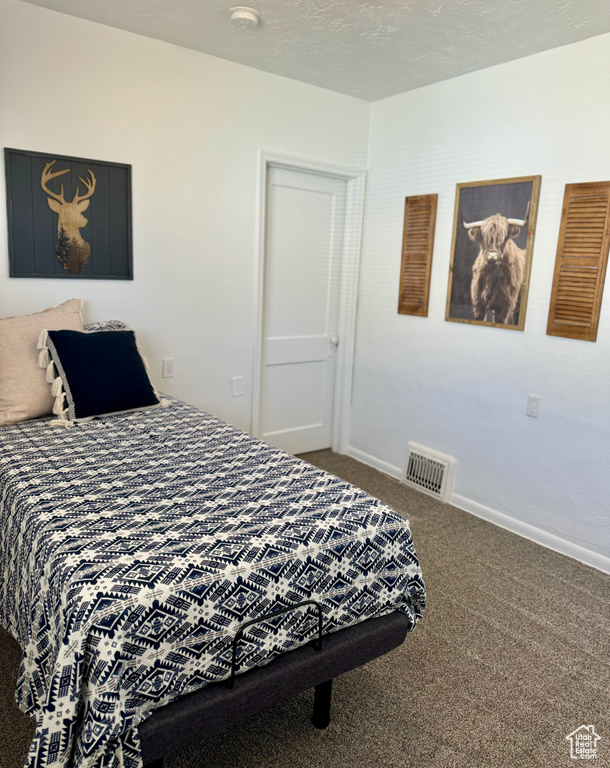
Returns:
(531, 532)
(537, 535)
(372, 461)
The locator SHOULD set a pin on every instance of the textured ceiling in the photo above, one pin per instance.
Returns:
(369, 50)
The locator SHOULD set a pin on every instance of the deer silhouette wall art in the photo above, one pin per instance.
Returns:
(72, 251)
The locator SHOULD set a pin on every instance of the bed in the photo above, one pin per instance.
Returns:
(151, 559)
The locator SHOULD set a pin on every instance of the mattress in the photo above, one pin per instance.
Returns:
(133, 547)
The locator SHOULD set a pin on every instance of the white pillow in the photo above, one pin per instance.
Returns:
(24, 392)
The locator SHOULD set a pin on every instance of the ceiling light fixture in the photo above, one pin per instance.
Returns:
(246, 18)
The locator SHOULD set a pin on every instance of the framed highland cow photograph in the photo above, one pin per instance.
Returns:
(491, 253)
(68, 217)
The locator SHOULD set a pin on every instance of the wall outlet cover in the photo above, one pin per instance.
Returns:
(168, 370)
(533, 406)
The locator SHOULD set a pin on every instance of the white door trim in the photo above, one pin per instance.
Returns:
(352, 242)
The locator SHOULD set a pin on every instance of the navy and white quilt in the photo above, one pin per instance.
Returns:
(133, 547)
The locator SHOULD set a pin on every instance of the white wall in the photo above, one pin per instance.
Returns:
(462, 389)
(191, 126)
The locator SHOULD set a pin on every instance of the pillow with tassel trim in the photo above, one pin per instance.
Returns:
(95, 374)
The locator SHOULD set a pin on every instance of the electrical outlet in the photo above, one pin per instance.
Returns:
(237, 386)
(168, 367)
(533, 406)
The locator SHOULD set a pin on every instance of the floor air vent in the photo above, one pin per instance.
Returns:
(429, 471)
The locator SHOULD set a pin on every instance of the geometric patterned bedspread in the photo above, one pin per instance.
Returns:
(133, 547)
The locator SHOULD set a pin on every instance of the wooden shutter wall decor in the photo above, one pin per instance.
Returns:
(416, 263)
(580, 266)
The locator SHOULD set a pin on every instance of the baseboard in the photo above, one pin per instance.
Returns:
(531, 532)
(373, 461)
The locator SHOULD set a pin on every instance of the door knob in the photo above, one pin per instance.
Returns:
(334, 340)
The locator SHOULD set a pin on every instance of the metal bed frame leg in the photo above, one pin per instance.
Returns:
(321, 704)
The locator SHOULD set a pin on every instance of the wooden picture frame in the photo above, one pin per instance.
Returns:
(491, 253)
(68, 217)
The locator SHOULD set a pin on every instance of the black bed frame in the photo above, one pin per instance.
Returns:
(218, 706)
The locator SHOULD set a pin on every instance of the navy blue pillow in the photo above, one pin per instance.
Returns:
(101, 372)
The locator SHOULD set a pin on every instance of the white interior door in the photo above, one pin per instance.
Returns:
(304, 245)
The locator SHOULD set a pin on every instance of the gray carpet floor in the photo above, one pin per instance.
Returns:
(511, 656)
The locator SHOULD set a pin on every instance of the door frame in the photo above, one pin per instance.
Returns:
(355, 179)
